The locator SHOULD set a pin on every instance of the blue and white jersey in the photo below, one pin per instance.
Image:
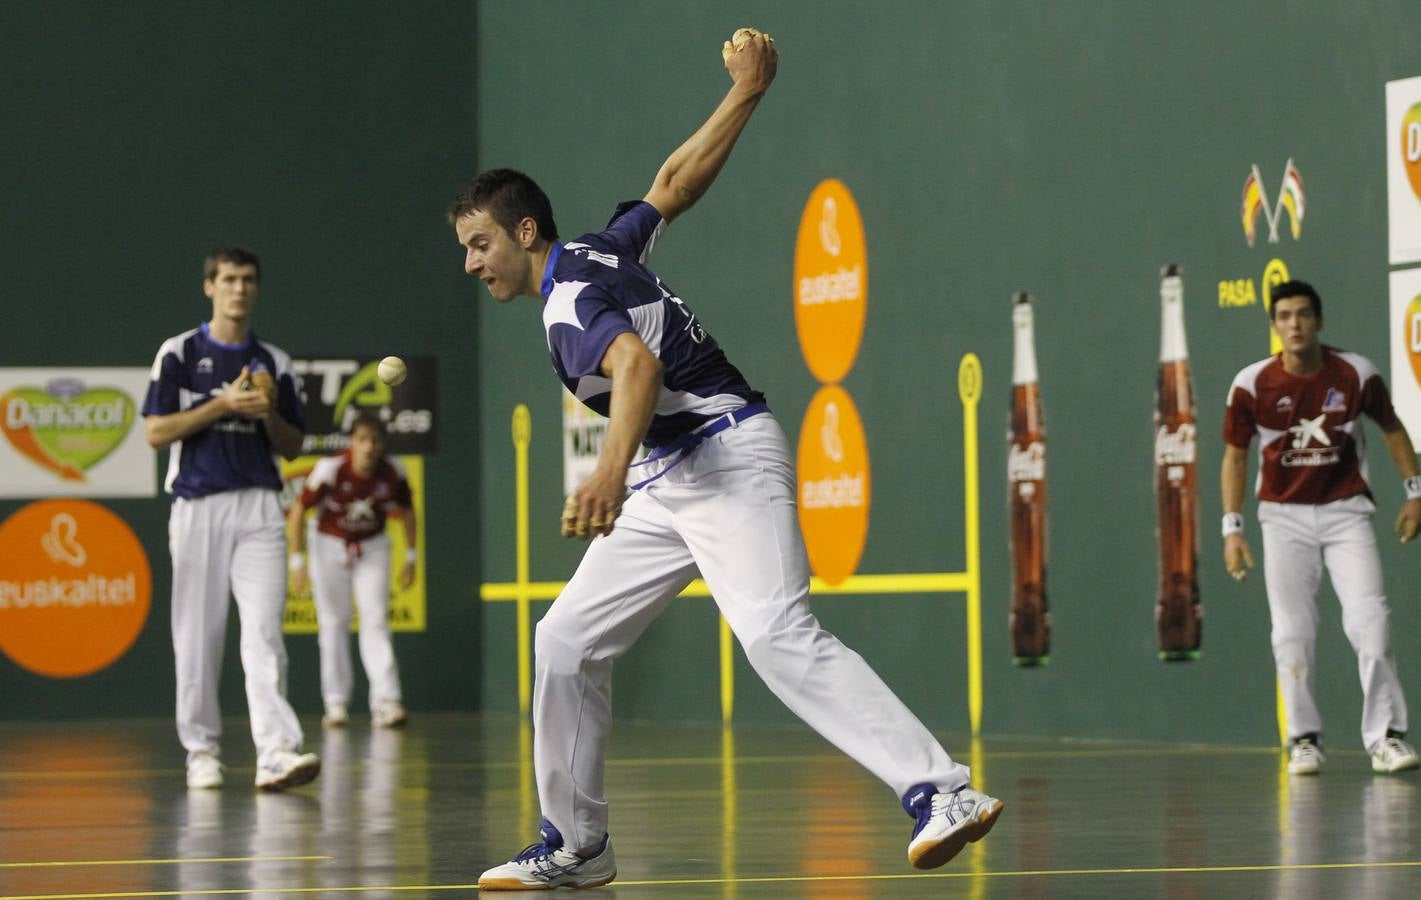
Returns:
(233, 452)
(598, 287)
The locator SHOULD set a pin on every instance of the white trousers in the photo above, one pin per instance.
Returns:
(728, 512)
(336, 576)
(1298, 540)
(231, 544)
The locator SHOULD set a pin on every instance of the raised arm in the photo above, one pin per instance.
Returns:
(688, 172)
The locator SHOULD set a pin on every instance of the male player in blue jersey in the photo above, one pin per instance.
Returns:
(221, 400)
(716, 497)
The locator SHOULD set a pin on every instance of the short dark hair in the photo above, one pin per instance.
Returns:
(237, 256)
(509, 197)
(1294, 289)
(367, 419)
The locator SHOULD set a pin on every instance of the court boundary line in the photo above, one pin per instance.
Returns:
(774, 879)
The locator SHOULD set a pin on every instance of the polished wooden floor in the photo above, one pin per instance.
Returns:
(99, 809)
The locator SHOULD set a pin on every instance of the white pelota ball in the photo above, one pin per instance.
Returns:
(392, 370)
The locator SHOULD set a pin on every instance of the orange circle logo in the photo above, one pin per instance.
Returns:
(74, 587)
(833, 484)
(1411, 335)
(1411, 147)
(830, 281)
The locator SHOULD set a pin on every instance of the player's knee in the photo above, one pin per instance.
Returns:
(1370, 636)
(1291, 651)
(559, 649)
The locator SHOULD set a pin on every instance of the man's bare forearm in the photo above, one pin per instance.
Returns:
(1401, 450)
(285, 437)
(1232, 476)
(164, 430)
(636, 382)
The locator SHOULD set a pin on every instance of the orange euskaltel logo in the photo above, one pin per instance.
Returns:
(66, 427)
(74, 587)
(830, 281)
(834, 484)
(1411, 335)
(1411, 147)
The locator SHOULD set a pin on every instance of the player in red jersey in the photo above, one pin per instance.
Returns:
(1315, 506)
(353, 493)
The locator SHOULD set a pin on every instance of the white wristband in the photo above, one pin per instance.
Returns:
(296, 562)
(1413, 487)
(1233, 523)
(411, 555)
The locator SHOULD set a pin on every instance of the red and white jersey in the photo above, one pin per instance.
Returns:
(1310, 443)
(351, 506)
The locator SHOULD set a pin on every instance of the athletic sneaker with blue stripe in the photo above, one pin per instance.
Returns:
(547, 864)
(946, 822)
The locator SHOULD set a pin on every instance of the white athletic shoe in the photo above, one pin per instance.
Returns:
(947, 822)
(1392, 754)
(287, 769)
(1306, 757)
(204, 772)
(388, 714)
(337, 716)
(547, 864)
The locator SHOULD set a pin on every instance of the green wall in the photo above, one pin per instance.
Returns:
(1064, 149)
(327, 137)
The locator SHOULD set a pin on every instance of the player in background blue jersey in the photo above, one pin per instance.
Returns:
(222, 401)
(715, 497)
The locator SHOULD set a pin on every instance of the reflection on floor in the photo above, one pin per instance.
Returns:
(99, 809)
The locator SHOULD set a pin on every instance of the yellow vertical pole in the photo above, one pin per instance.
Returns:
(969, 386)
(727, 672)
(522, 437)
(1276, 273)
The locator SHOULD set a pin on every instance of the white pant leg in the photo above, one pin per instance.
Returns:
(623, 582)
(331, 581)
(1350, 551)
(734, 503)
(259, 585)
(1292, 570)
(200, 539)
(372, 599)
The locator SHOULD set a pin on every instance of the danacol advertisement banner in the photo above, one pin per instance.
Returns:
(75, 432)
(1403, 169)
(1405, 330)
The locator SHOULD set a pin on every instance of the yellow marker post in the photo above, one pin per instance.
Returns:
(522, 437)
(1274, 274)
(727, 671)
(969, 387)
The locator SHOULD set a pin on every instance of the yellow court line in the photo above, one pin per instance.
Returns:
(762, 760)
(214, 892)
(157, 862)
(910, 583)
(779, 879)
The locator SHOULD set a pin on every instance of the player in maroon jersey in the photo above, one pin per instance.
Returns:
(353, 493)
(1315, 506)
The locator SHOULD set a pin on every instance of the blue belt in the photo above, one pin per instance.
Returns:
(682, 446)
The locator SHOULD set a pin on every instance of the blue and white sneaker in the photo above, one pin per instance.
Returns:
(287, 769)
(947, 822)
(547, 864)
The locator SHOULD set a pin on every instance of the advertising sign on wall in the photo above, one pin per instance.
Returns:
(1403, 169)
(74, 432)
(336, 389)
(74, 587)
(1405, 331)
